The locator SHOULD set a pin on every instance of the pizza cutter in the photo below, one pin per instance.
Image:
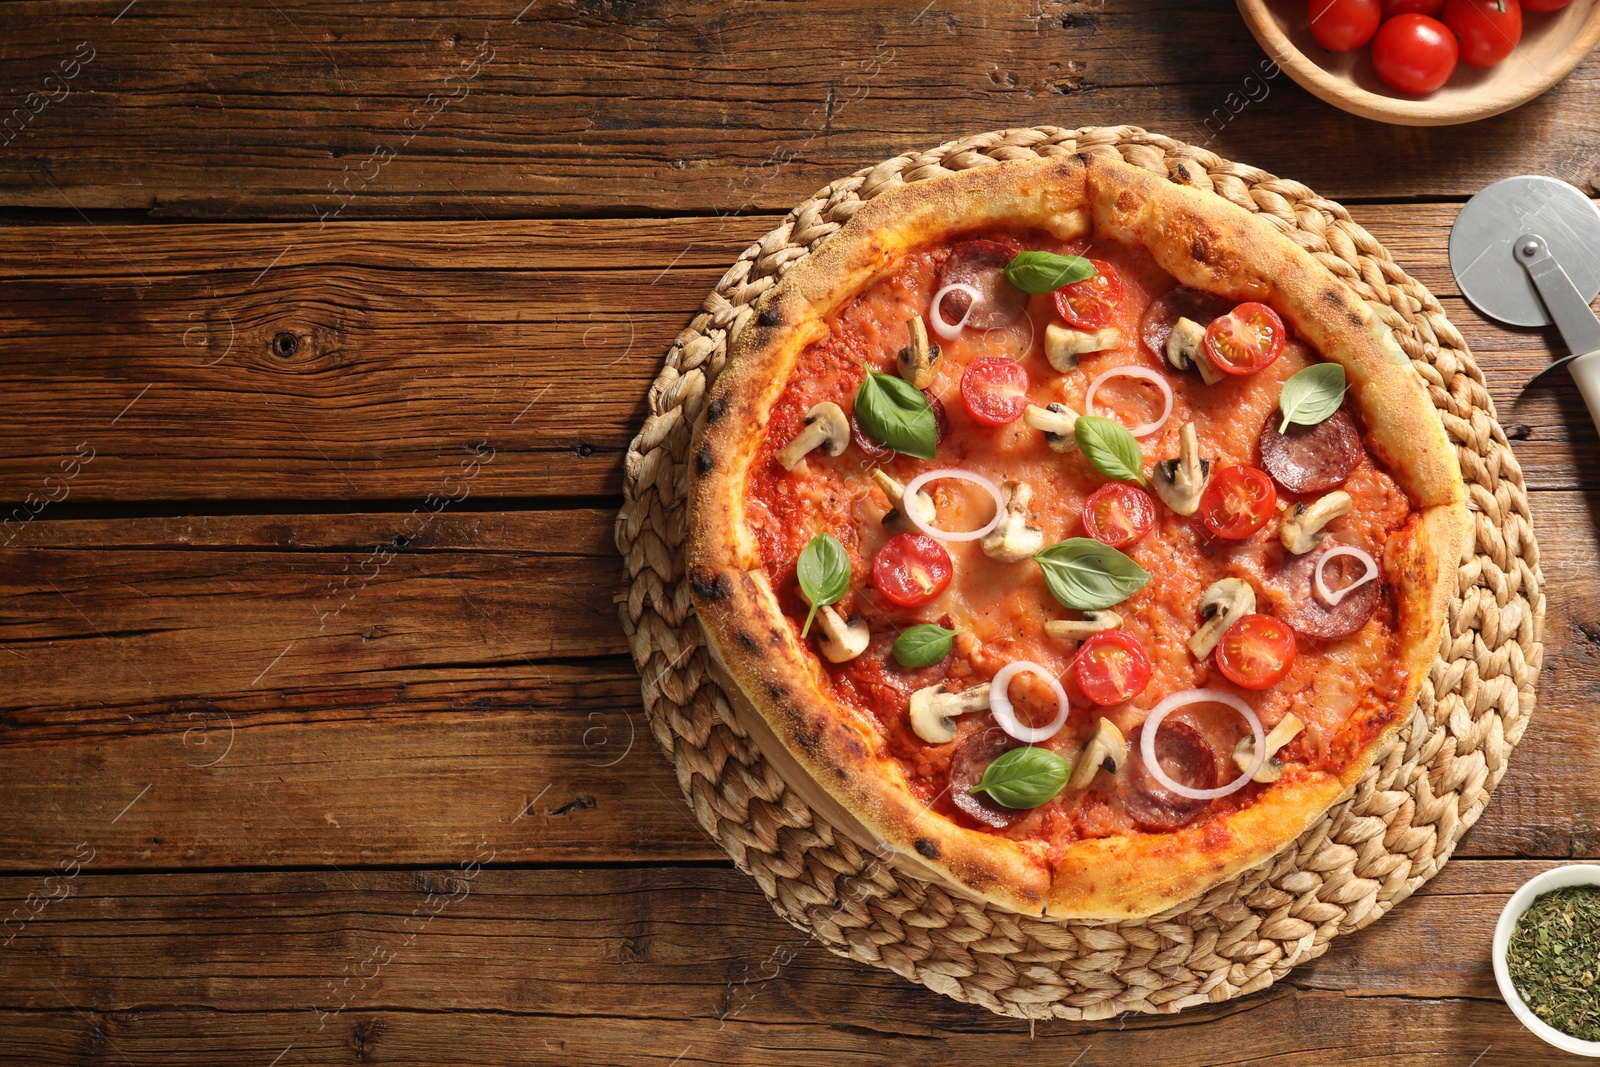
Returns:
(1526, 251)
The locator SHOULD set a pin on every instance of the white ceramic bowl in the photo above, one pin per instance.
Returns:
(1521, 900)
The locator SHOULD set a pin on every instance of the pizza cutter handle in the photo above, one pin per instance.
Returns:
(1585, 371)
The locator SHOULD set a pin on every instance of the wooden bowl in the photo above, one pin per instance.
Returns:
(1552, 44)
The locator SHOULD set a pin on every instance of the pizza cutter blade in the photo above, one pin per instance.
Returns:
(1526, 251)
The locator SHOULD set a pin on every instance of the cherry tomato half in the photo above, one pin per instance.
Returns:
(995, 390)
(1344, 25)
(1414, 53)
(1118, 514)
(911, 569)
(1256, 652)
(1238, 502)
(1111, 667)
(1091, 303)
(1245, 339)
(1544, 5)
(1391, 8)
(1487, 29)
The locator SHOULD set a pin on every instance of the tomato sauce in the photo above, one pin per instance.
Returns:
(1344, 691)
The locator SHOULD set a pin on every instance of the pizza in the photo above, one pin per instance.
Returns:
(1070, 536)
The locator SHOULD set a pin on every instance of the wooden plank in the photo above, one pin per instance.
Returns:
(190, 656)
(549, 967)
(567, 108)
(278, 361)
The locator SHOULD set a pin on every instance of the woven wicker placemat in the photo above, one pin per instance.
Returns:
(1370, 851)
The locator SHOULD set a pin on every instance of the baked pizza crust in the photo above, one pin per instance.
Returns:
(779, 689)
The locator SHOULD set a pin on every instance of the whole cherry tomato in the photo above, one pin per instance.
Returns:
(1414, 53)
(1111, 667)
(1391, 8)
(995, 390)
(1344, 25)
(1091, 303)
(1487, 29)
(911, 569)
(1118, 514)
(1237, 502)
(1256, 652)
(1246, 339)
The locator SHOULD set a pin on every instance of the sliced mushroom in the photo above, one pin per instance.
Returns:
(896, 520)
(1301, 527)
(1271, 768)
(1014, 540)
(1063, 346)
(1056, 421)
(1106, 750)
(918, 362)
(1186, 347)
(839, 640)
(1085, 626)
(825, 428)
(1225, 603)
(1179, 482)
(934, 710)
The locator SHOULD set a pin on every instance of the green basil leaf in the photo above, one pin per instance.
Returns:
(895, 412)
(1024, 777)
(1311, 395)
(1082, 573)
(923, 645)
(1108, 445)
(1045, 272)
(824, 572)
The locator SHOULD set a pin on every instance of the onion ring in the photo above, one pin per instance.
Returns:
(960, 475)
(1331, 598)
(936, 317)
(1144, 429)
(1147, 739)
(1006, 715)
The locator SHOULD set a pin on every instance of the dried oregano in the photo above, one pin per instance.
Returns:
(1554, 960)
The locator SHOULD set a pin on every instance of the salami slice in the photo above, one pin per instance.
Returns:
(966, 770)
(1187, 758)
(1292, 589)
(1174, 304)
(981, 264)
(1310, 459)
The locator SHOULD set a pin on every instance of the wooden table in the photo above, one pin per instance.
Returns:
(325, 328)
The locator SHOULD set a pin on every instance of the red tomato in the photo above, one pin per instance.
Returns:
(1344, 25)
(1238, 502)
(1391, 8)
(911, 569)
(1257, 651)
(995, 390)
(1246, 339)
(1118, 514)
(1488, 29)
(1414, 53)
(1544, 5)
(1111, 667)
(1091, 303)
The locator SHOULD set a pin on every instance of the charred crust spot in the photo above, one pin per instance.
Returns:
(841, 774)
(1199, 250)
(703, 463)
(1180, 173)
(717, 409)
(709, 587)
(747, 642)
(1355, 319)
(927, 848)
(806, 735)
(1083, 158)
(769, 317)
(774, 690)
(775, 637)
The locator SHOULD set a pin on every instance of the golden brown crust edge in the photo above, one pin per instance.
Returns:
(1240, 256)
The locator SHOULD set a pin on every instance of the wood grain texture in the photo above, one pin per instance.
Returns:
(479, 673)
(546, 967)
(571, 108)
(359, 361)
